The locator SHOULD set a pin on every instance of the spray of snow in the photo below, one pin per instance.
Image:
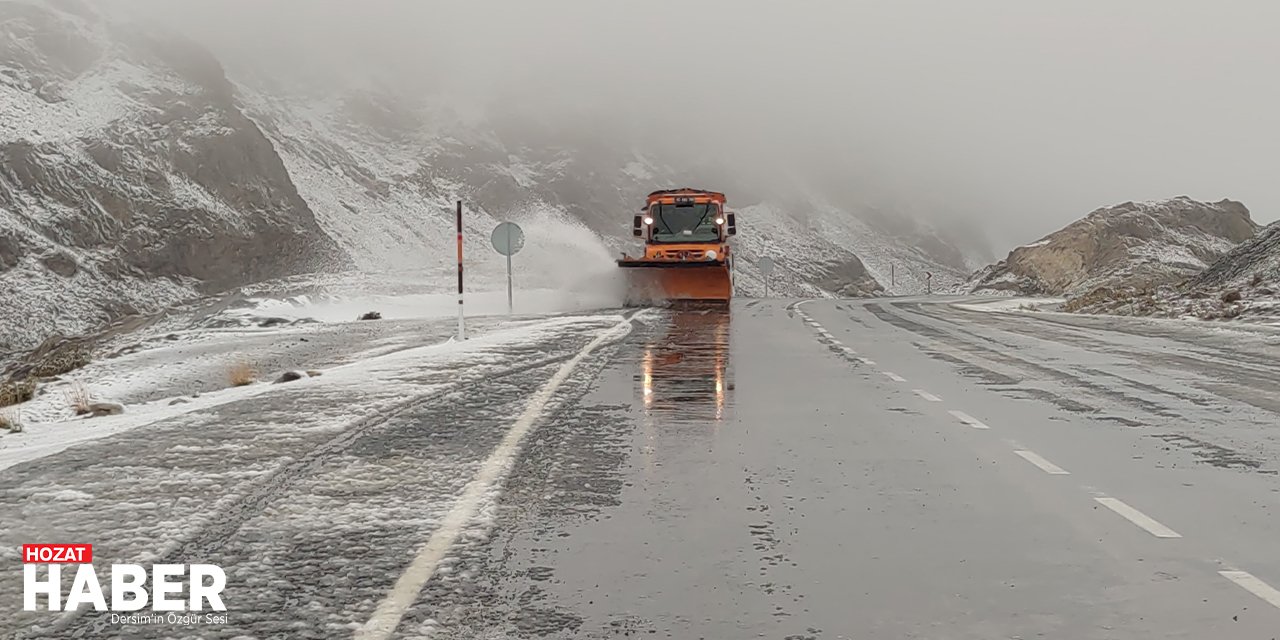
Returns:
(565, 258)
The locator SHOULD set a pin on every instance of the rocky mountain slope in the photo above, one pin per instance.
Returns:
(1134, 245)
(1255, 262)
(129, 177)
(135, 172)
(381, 169)
(1244, 283)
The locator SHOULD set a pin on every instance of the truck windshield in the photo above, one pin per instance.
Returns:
(689, 223)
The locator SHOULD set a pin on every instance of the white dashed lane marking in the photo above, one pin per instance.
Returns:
(1045, 465)
(1253, 585)
(867, 361)
(968, 419)
(1139, 518)
(926, 395)
(893, 376)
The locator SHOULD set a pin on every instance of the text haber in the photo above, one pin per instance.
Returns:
(128, 582)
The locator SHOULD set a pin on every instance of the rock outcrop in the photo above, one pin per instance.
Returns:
(129, 177)
(1244, 284)
(1135, 245)
(1254, 263)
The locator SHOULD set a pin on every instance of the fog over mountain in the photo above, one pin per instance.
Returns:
(1020, 116)
(157, 151)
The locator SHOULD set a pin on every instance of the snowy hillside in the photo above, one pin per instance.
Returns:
(138, 172)
(1130, 245)
(381, 172)
(130, 179)
(1254, 262)
(1243, 284)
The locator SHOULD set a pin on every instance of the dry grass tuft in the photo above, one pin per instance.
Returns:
(11, 419)
(242, 374)
(1233, 295)
(78, 398)
(17, 391)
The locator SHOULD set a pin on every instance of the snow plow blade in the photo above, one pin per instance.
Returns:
(657, 282)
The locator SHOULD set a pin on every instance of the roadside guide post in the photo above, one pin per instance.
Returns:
(508, 239)
(765, 265)
(928, 282)
(462, 324)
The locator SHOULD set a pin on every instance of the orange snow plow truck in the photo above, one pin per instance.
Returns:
(687, 256)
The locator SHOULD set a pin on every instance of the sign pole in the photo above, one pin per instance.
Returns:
(462, 324)
(507, 238)
(765, 265)
(510, 304)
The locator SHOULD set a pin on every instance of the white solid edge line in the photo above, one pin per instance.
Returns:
(1045, 465)
(893, 376)
(968, 419)
(926, 395)
(386, 618)
(1253, 585)
(1139, 518)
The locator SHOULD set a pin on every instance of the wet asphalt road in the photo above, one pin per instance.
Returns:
(834, 469)
(799, 474)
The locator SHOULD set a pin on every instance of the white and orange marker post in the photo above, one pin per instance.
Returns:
(462, 319)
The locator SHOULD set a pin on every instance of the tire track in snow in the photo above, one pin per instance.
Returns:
(217, 531)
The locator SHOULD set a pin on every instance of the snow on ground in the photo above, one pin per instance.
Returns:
(1251, 327)
(89, 104)
(39, 302)
(50, 427)
(1007, 305)
(377, 451)
(426, 305)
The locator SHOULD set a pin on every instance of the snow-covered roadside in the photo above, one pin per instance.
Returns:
(339, 308)
(1009, 305)
(1049, 307)
(389, 374)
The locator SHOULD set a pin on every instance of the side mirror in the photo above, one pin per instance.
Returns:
(637, 226)
(731, 223)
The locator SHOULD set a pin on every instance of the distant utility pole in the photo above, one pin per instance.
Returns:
(893, 276)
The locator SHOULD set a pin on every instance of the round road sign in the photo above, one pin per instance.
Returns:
(765, 265)
(507, 238)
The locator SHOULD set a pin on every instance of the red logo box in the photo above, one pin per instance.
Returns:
(57, 553)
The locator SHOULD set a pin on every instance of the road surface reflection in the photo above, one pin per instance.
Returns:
(684, 372)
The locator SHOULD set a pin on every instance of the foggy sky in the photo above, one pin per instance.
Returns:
(1026, 113)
